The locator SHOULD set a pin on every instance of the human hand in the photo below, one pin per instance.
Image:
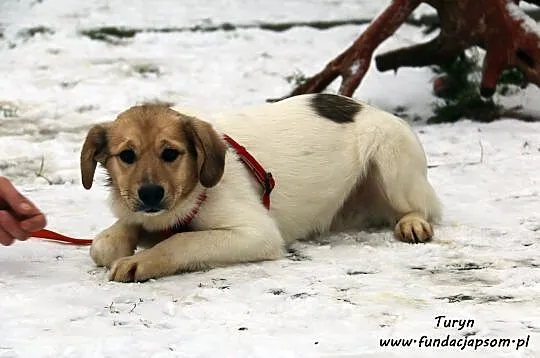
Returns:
(18, 216)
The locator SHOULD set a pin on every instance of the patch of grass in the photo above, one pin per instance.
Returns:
(33, 31)
(86, 108)
(297, 78)
(109, 34)
(146, 69)
(68, 84)
(39, 173)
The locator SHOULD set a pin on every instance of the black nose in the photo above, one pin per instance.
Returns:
(151, 194)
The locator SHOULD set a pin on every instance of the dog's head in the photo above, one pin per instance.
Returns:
(154, 157)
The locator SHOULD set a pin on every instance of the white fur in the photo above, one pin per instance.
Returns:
(318, 165)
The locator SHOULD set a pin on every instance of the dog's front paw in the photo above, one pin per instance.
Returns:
(107, 247)
(138, 268)
(413, 228)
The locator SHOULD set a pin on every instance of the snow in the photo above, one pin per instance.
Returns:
(526, 21)
(356, 66)
(336, 297)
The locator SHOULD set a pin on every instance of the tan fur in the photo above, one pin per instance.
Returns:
(148, 130)
(94, 150)
(210, 151)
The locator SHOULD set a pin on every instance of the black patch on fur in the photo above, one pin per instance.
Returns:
(339, 109)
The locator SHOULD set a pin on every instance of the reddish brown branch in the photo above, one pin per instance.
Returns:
(354, 62)
(425, 54)
(490, 24)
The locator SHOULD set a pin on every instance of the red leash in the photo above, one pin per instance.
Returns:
(54, 236)
(263, 177)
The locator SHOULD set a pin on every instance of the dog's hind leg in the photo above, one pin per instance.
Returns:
(402, 177)
(398, 171)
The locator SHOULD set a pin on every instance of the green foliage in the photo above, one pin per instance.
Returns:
(297, 78)
(460, 93)
(510, 82)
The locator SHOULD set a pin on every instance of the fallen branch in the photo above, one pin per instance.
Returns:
(498, 26)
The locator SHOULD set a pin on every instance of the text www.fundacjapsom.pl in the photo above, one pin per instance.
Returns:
(461, 342)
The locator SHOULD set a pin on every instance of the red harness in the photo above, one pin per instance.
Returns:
(263, 177)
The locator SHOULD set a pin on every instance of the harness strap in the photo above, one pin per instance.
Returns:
(263, 177)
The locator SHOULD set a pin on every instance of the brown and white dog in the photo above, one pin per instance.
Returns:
(338, 165)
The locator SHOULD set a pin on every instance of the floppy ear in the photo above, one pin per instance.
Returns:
(210, 150)
(93, 151)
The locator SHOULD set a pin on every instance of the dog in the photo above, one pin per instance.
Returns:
(337, 164)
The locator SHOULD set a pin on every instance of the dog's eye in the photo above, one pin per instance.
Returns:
(127, 156)
(169, 155)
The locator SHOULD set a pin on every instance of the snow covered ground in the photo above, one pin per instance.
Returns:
(337, 297)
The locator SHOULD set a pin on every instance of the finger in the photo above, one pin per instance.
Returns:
(15, 200)
(11, 226)
(34, 223)
(5, 238)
